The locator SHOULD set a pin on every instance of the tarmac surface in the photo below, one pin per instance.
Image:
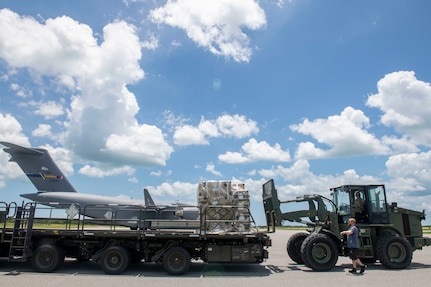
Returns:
(278, 270)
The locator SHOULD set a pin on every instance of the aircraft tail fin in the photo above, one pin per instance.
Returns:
(148, 199)
(39, 167)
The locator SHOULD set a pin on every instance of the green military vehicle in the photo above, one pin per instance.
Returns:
(387, 233)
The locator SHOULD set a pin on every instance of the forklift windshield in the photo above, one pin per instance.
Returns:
(365, 203)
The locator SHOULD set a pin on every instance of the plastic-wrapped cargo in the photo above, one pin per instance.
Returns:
(224, 206)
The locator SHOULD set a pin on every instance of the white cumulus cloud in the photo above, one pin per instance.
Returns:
(101, 118)
(215, 25)
(406, 105)
(346, 135)
(253, 151)
(236, 126)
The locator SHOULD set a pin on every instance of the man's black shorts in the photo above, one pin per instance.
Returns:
(353, 253)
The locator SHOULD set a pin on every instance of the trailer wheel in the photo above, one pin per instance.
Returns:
(319, 252)
(115, 260)
(47, 258)
(176, 260)
(394, 252)
(294, 246)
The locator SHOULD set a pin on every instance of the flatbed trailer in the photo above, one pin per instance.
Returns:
(46, 241)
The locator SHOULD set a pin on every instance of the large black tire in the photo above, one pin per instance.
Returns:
(394, 252)
(176, 260)
(319, 252)
(115, 260)
(294, 246)
(47, 257)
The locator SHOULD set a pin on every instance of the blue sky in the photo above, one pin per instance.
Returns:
(165, 94)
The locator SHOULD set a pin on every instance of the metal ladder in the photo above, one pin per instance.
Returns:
(366, 249)
(21, 236)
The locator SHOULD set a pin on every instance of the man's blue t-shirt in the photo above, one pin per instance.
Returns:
(352, 239)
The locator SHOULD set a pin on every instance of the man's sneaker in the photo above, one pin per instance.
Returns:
(362, 268)
(353, 271)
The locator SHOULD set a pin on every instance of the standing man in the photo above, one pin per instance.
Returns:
(353, 245)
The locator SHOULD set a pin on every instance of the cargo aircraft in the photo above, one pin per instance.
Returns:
(55, 190)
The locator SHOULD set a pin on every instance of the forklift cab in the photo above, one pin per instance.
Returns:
(365, 203)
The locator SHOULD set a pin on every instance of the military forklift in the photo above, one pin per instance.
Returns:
(387, 233)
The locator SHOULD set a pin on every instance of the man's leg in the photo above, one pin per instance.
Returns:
(361, 264)
(353, 266)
